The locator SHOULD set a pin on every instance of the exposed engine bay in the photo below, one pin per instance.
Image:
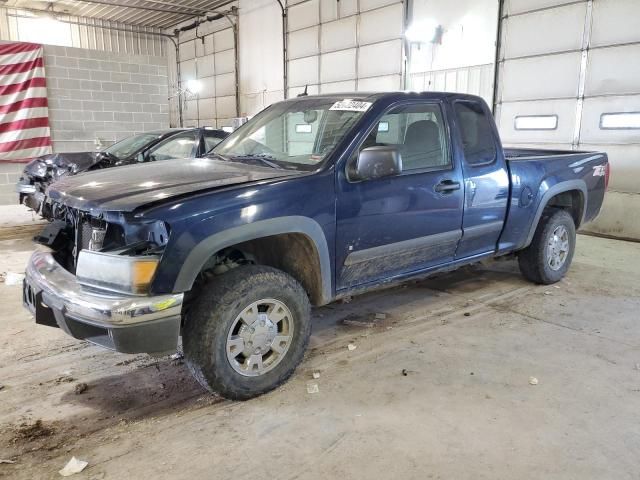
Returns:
(72, 230)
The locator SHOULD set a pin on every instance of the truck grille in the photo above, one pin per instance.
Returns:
(84, 234)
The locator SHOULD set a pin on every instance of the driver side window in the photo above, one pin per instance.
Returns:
(178, 146)
(419, 134)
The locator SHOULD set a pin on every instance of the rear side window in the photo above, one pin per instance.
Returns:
(477, 136)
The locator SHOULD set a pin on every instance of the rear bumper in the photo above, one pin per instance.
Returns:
(128, 324)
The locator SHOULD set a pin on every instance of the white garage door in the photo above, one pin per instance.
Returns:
(569, 77)
(211, 59)
(345, 46)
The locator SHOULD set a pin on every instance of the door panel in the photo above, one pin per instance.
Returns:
(395, 225)
(486, 180)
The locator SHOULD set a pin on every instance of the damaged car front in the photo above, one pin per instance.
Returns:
(95, 270)
(42, 171)
(92, 280)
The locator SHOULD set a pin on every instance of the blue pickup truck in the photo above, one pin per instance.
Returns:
(316, 198)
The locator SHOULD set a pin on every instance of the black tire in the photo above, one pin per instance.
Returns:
(534, 260)
(213, 314)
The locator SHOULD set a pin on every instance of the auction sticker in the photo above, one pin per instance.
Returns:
(350, 105)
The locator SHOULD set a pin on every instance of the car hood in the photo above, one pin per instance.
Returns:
(76, 161)
(129, 187)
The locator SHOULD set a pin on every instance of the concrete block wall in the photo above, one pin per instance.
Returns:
(9, 175)
(102, 97)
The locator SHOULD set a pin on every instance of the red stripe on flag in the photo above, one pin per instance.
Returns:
(18, 48)
(19, 87)
(21, 67)
(26, 103)
(24, 124)
(24, 144)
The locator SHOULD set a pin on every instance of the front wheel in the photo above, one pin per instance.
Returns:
(549, 256)
(247, 331)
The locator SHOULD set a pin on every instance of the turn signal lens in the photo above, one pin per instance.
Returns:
(142, 272)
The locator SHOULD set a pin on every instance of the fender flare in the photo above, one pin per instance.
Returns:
(556, 189)
(252, 231)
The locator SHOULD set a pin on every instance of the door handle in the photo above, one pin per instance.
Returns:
(446, 186)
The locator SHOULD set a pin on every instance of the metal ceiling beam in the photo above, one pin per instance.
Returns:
(176, 10)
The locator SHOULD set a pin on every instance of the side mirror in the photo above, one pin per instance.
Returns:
(140, 157)
(376, 162)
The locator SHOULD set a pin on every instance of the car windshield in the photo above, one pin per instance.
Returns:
(130, 145)
(296, 134)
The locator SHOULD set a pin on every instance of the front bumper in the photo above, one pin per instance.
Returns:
(125, 323)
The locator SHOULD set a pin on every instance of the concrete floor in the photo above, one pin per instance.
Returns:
(468, 342)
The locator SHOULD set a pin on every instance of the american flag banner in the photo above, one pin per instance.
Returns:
(24, 113)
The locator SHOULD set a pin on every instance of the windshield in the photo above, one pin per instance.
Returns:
(296, 134)
(130, 145)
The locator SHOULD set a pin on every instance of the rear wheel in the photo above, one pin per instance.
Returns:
(247, 331)
(549, 256)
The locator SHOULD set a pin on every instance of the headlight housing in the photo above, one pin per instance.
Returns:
(37, 169)
(117, 273)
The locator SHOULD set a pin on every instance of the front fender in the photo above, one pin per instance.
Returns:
(251, 231)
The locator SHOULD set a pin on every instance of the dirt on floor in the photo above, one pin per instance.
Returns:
(438, 383)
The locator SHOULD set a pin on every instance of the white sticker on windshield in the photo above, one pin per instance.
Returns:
(350, 105)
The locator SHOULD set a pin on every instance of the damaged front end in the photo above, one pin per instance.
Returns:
(43, 171)
(94, 280)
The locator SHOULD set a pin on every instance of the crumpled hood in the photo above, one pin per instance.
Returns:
(129, 187)
(81, 160)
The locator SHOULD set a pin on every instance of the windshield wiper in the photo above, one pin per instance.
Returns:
(263, 157)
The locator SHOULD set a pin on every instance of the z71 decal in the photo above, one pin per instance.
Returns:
(599, 170)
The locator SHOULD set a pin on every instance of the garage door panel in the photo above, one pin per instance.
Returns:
(613, 70)
(303, 43)
(563, 30)
(329, 10)
(303, 71)
(188, 70)
(208, 87)
(383, 24)
(339, 35)
(335, 87)
(384, 84)
(369, 60)
(225, 84)
(226, 107)
(223, 40)
(207, 107)
(371, 4)
(563, 110)
(225, 61)
(206, 66)
(187, 50)
(622, 15)
(554, 76)
(303, 15)
(593, 132)
(624, 160)
(520, 6)
(337, 66)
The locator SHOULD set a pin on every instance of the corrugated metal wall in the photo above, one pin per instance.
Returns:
(94, 34)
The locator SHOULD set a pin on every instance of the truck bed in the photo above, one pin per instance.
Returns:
(537, 176)
(528, 153)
